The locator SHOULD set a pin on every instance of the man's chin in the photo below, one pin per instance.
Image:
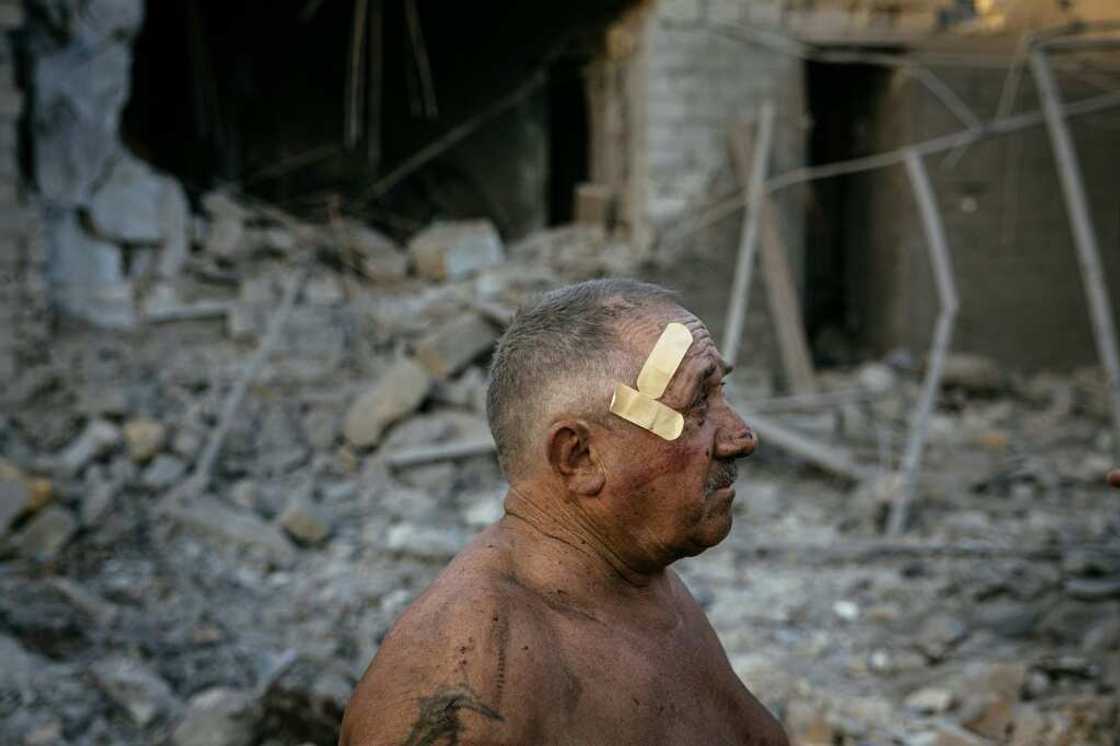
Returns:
(716, 527)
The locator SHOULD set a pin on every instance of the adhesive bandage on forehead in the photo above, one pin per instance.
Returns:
(641, 407)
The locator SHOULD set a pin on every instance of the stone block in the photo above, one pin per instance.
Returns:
(425, 541)
(227, 526)
(400, 390)
(305, 522)
(449, 349)
(164, 471)
(378, 257)
(46, 534)
(96, 440)
(452, 251)
(86, 275)
(133, 687)
(15, 500)
(126, 205)
(219, 717)
(144, 439)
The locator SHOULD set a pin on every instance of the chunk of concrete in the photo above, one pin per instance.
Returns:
(96, 440)
(164, 471)
(144, 439)
(379, 258)
(452, 251)
(133, 687)
(449, 349)
(47, 533)
(425, 541)
(15, 500)
(305, 522)
(400, 390)
(86, 276)
(126, 207)
(226, 525)
(219, 717)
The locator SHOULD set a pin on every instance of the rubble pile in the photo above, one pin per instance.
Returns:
(241, 613)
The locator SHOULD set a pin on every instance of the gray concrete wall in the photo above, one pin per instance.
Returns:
(1022, 296)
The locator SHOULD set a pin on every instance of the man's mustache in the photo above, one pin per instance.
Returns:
(723, 474)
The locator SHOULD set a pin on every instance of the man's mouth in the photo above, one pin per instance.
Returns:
(723, 475)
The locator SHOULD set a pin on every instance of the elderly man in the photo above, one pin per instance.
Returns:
(562, 623)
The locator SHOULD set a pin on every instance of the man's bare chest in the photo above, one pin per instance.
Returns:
(660, 687)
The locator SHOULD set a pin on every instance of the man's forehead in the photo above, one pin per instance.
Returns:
(645, 331)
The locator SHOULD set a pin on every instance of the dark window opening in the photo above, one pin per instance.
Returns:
(256, 95)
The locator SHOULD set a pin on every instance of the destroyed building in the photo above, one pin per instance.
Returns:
(255, 257)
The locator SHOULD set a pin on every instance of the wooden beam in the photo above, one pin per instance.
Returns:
(754, 184)
(785, 306)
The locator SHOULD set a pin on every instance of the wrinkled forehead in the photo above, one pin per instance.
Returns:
(642, 333)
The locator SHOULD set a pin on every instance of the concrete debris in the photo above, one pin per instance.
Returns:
(227, 526)
(133, 687)
(164, 471)
(931, 701)
(424, 541)
(375, 255)
(939, 634)
(15, 500)
(359, 460)
(305, 522)
(86, 276)
(397, 393)
(219, 717)
(127, 207)
(99, 438)
(447, 350)
(452, 251)
(144, 438)
(47, 533)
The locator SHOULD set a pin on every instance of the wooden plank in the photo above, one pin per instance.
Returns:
(594, 204)
(754, 181)
(785, 306)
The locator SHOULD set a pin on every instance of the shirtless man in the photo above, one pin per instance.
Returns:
(563, 623)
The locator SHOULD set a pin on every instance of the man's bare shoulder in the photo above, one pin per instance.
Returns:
(458, 661)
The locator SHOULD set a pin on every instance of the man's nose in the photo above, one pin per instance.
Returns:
(734, 437)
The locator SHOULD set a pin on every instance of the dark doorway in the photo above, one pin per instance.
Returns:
(844, 101)
(568, 122)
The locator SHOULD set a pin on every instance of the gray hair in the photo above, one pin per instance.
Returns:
(554, 354)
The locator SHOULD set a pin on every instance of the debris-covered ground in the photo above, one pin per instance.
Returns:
(149, 595)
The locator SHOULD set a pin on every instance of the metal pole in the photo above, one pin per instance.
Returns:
(1084, 235)
(939, 256)
(748, 240)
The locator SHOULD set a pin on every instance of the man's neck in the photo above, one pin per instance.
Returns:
(567, 533)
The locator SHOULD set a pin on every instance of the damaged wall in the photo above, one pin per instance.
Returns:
(111, 222)
(1022, 293)
(23, 301)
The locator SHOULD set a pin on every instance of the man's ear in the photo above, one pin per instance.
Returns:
(573, 459)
